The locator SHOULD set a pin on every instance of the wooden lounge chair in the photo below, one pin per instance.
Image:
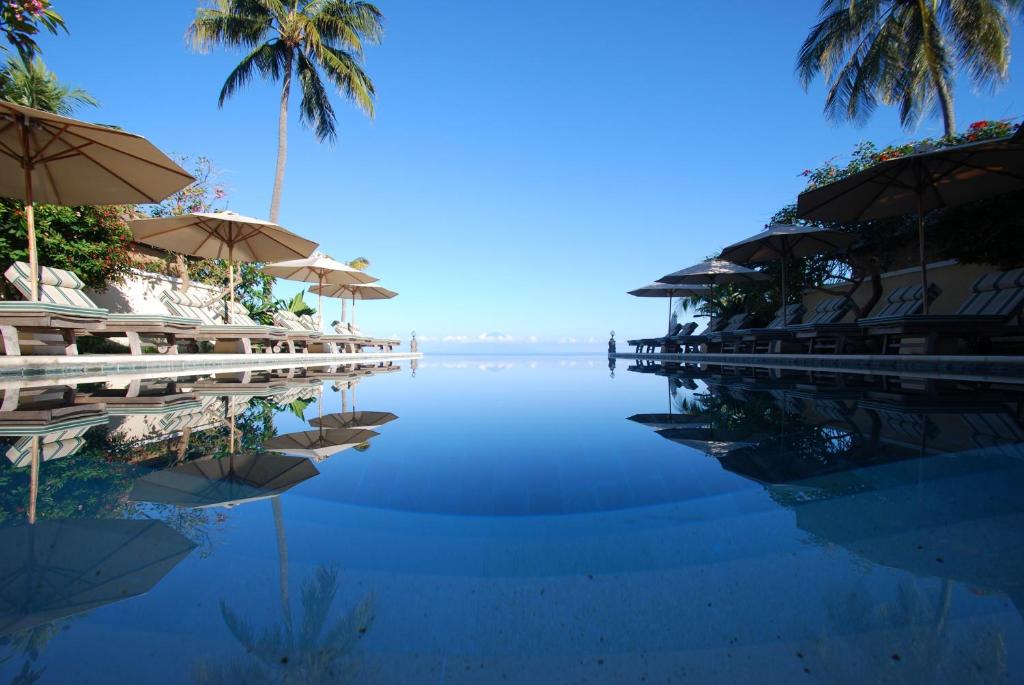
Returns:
(382, 344)
(843, 338)
(236, 337)
(649, 344)
(297, 334)
(60, 288)
(733, 324)
(760, 340)
(989, 318)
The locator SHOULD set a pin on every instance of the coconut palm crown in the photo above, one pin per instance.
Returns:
(905, 53)
(303, 39)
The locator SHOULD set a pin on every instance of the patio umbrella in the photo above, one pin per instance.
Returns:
(785, 241)
(354, 419)
(710, 441)
(919, 183)
(319, 444)
(670, 291)
(222, 235)
(227, 481)
(354, 292)
(55, 569)
(320, 269)
(52, 159)
(713, 272)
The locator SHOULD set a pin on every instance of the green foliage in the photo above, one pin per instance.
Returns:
(297, 305)
(92, 242)
(21, 21)
(303, 38)
(361, 263)
(253, 288)
(905, 53)
(33, 85)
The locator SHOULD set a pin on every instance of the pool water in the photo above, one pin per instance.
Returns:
(520, 520)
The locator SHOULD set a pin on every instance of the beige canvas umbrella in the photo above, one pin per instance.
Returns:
(354, 292)
(918, 183)
(713, 272)
(320, 269)
(223, 235)
(670, 291)
(319, 444)
(52, 159)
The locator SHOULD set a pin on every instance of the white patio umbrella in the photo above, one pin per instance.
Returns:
(320, 269)
(785, 241)
(713, 272)
(354, 292)
(48, 158)
(670, 291)
(223, 235)
(319, 444)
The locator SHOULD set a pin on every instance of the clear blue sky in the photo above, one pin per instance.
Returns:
(529, 162)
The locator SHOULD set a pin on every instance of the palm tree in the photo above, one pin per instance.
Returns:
(299, 38)
(33, 85)
(905, 53)
(361, 263)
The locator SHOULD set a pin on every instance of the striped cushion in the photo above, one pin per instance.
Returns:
(240, 315)
(287, 320)
(309, 322)
(188, 306)
(688, 329)
(997, 293)
(56, 286)
(60, 443)
(736, 322)
(786, 315)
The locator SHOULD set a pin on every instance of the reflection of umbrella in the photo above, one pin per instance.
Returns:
(713, 272)
(354, 292)
(48, 158)
(228, 481)
(319, 444)
(320, 269)
(715, 443)
(784, 242)
(222, 235)
(355, 419)
(54, 569)
(919, 183)
(668, 290)
(660, 421)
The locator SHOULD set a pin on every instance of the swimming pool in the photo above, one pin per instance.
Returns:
(521, 519)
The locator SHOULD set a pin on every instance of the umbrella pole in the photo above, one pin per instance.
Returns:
(33, 488)
(920, 249)
(320, 302)
(30, 217)
(231, 279)
(353, 308)
(670, 314)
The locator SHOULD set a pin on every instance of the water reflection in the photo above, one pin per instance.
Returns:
(108, 485)
(922, 475)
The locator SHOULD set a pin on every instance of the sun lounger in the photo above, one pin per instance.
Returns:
(235, 337)
(382, 344)
(763, 340)
(991, 313)
(734, 323)
(57, 441)
(297, 333)
(842, 338)
(62, 290)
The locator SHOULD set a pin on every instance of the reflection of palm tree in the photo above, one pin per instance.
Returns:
(311, 651)
(907, 631)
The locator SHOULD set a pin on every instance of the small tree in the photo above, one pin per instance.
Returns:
(21, 20)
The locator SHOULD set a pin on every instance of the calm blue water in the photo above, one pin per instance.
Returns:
(517, 520)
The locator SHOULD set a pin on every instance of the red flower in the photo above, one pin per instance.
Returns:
(978, 124)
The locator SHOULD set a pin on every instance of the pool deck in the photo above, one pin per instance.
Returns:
(89, 364)
(1003, 366)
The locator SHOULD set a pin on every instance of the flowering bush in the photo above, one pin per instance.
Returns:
(20, 21)
(866, 154)
(92, 242)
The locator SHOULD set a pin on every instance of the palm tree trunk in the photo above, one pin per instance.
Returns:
(282, 142)
(946, 101)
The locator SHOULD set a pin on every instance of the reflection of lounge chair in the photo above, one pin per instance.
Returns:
(995, 301)
(841, 338)
(236, 336)
(43, 406)
(55, 441)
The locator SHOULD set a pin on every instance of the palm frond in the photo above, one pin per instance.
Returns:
(349, 78)
(269, 60)
(980, 33)
(235, 23)
(315, 108)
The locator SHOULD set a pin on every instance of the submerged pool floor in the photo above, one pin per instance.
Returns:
(515, 520)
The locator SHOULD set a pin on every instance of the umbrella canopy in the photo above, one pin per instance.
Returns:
(223, 482)
(319, 444)
(354, 419)
(354, 292)
(786, 241)
(713, 272)
(710, 441)
(55, 569)
(222, 235)
(320, 269)
(52, 159)
(670, 291)
(919, 183)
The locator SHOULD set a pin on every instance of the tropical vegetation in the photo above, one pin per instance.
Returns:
(31, 84)
(906, 53)
(304, 39)
(22, 20)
